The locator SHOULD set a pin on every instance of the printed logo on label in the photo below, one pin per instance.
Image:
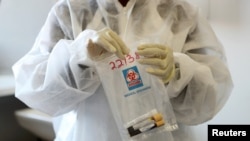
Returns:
(132, 77)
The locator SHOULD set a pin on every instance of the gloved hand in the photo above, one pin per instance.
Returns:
(160, 58)
(106, 42)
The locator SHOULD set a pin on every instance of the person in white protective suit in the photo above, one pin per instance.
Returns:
(57, 75)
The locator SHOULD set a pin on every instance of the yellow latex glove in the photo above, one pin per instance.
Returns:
(106, 42)
(160, 58)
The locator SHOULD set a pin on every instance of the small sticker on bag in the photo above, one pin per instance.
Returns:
(132, 78)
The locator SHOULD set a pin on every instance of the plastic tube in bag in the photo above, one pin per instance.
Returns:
(138, 100)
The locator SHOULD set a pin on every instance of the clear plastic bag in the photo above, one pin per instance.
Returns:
(138, 100)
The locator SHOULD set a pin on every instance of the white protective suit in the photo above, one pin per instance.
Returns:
(58, 78)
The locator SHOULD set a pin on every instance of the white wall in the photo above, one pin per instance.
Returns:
(233, 11)
(20, 22)
(230, 21)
